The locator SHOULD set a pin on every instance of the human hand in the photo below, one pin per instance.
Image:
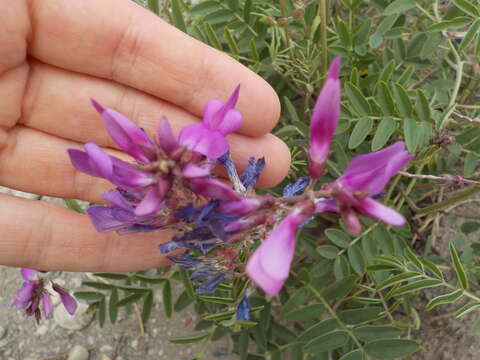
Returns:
(54, 56)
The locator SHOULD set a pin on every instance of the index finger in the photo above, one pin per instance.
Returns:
(121, 41)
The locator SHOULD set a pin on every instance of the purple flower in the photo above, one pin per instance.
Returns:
(128, 136)
(269, 265)
(33, 292)
(324, 121)
(366, 176)
(219, 120)
(68, 300)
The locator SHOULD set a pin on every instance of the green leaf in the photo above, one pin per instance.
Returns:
(130, 299)
(182, 301)
(374, 332)
(73, 205)
(154, 6)
(397, 279)
(189, 339)
(472, 32)
(468, 227)
(340, 288)
(359, 102)
(243, 344)
(387, 72)
(341, 268)
(247, 10)
(470, 164)
(112, 306)
(323, 327)
(410, 255)
(98, 285)
(468, 7)
(338, 237)
(444, 119)
(297, 299)
(177, 16)
(399, 6)
(204, 7)
(353, 355)
(230, 41)
(416, 285)
(422, 107)
(327, 342)
(344, 33)
(406, 75)
(167, 298)
(385, 130)
(291, 110)
(112, 276)
(360, 132)
(388, 260)
(360, 315)
(449, 298)
(147, 307)
(391, 348)
(433, 268)
(385, 99)
(410, 132)
(356, 258)
(459, 270)
(467, 308)
(403, 100)
(217, 300)
(213, 39)
(89, 296)
(150, 279)
(328, 251)
(220, 16)
(187, 284)
(308, 312)
(102, 311)
(451, 24)
(134, 289)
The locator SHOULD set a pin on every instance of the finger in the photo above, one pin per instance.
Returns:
(136, 48)
(37, 162)
(45, 236)
(50, 107)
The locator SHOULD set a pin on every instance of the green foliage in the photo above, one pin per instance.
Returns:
(407, 75)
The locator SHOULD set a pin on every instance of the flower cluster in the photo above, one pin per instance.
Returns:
(170, 185)
(34, 292)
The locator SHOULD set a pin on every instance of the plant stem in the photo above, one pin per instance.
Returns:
(334, 315)
(323, 29)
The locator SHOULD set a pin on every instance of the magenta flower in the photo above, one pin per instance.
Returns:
(219, 120)
(324, 121)
(366, 176)
(269, 265)
(33, 293)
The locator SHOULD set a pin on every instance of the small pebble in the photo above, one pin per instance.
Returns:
(134, 344)
(106, 348)
(78, 353)
(76, 322)
(3, 332)
(41, 330)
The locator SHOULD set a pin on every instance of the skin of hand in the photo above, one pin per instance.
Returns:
(54, 56)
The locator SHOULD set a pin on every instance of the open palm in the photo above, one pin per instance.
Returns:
(54, 56)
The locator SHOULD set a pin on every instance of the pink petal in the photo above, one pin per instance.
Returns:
(67, 300)
(223, 117)
(151, 203)
(99, 160)
(114, 197)
(165, 136)
(126, 134)
(351, 220)
(194, 171)
(255, 271)
(213, 189)
(47, 304)
(372, 208)
(324, 121)
(28, 274)
(81, 162)
(199, 138)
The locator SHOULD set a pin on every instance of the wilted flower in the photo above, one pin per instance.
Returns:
(33, 292)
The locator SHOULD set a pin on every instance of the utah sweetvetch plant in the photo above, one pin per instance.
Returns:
(408, 73)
